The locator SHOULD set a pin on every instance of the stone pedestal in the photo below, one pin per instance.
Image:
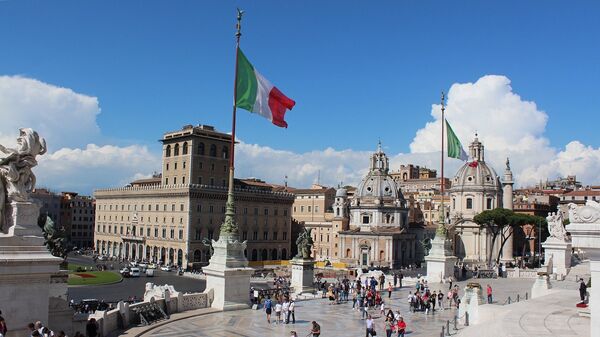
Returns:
(470, 302)
(303, 275)
(26, 266)
(440, 261)
(541, 286)
(228, 275)
(560, 253)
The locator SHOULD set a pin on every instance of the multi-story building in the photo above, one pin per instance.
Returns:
(77, 218)
(50, 204)
(169, 218)
(415, 179)
(72, 212)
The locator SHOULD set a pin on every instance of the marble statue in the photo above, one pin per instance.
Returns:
(16, 178)
(556, 227)
(304, 243)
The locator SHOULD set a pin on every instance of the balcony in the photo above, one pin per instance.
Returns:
(129, 237)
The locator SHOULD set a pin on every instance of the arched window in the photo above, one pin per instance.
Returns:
(274, 254)
(348, 252)
(264, 255)
(185, 148)
(284, 254)
(254, 255)
(168, 151)
(469, 203)
(201, 149)
(381, 255)
(225, 152)
(176, 150)
(213, 150)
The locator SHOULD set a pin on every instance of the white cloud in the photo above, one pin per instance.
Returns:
(62, 116)
(67, 120)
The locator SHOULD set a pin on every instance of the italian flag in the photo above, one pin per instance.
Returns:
(455, 149)
(256, 94)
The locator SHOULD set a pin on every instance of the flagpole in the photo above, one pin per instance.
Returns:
(442, 227)
(229, 227)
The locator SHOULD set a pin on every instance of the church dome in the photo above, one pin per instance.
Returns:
(378, 186)
(341, 193)
(476, 172)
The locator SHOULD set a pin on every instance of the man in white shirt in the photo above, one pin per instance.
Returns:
(370, 327)
(285, 310)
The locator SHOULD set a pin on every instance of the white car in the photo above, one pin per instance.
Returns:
(135, 272)
(165, 268)
(143, 265)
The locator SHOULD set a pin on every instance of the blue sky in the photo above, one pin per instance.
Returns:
(359, 71)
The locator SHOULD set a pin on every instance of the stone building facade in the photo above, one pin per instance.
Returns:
(475, 188)
(166, 220)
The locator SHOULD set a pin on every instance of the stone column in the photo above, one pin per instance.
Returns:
(302, 275)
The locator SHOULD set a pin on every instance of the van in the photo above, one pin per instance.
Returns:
(149, 272)
(135, 272)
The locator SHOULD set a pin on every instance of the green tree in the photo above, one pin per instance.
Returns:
(495, 222)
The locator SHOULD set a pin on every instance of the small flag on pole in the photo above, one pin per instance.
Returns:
(256, 94)
(455, 149)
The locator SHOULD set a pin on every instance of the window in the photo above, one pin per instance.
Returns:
(176, 150)
(284, 236)
(309, 209)
(212, 181)
(201, 150)
(365, 219)
(183, 164)
(256, 211)
(181, 207)
(148, 232)
(489, 203)
(316, 209)
(244, 235)
(168, 151)
(245, 210)
(167, 166)
(265, 235)
(185, 150)
(469, 203)
(274, 235)
(210, 209)
(213, 150)
(301, 209)
(172, 233)
(181, 234)
(255, 235)
(175, 165)
(164, 233)
(166, 181)
(453, 203)
(155, 232)
(285, 211)
(173, 208)
(225, 152)
(266, 211)
(200, 180)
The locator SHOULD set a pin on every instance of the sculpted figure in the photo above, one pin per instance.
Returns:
(556, 227)
(304, 243)
(16, 178)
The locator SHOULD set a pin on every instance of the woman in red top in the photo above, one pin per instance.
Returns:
(401, 327)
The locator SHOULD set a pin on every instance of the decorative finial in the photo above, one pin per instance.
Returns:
(443, 99)
(507, 163)
(239, 23)
(379, 146)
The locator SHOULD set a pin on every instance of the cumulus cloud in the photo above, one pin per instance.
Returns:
(67, 120)
(62, 116)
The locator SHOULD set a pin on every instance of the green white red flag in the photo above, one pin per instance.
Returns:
(256, 94)
(455, 149)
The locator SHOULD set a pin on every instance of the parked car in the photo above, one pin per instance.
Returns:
(125, 272)
(165, 268)
(135, 272)
(149, 272)
(143, 265)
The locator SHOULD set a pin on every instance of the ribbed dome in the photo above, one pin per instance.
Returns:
(476, 172)
(378, 184)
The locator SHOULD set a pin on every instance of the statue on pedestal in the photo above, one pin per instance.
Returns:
(16, 178)
(556, 227)
(304, 243)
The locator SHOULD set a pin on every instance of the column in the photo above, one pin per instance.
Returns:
(507, 250)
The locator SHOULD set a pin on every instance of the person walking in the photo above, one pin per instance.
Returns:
(285, 310)
(268, 305)
(489, 294)
(401, 327)
(400, 279)
(582, 290)
(278, 308)
(390, 289)
(292, 312)
(389, 323)
(370, 331)
(441, 300)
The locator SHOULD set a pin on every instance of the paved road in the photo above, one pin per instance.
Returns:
(129, 286)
